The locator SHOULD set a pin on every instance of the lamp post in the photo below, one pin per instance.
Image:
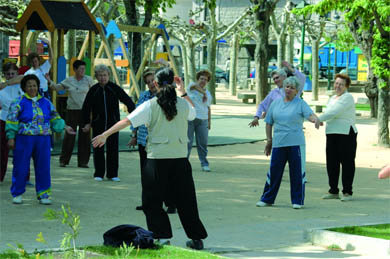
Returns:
(301, 5)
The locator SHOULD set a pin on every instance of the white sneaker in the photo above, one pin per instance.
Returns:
(45, 201)
(297, 206)
(115, 179)
(262, 204)
(206, 168)
(99, 179)
(17, 200)
(346, 197)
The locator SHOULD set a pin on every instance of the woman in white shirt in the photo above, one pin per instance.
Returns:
(167, 166)
(7, 95)
(200, 126)
(341, 133)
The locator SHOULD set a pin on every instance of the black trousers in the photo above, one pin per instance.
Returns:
(74, 119)
(341, 150)
(142, 158)
(159, 175)
(99, 159)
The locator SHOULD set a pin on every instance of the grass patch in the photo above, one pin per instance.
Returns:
(362, 107)
(378, 231)
(170, 252)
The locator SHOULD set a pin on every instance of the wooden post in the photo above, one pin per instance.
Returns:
(23, 47)
(171, 57)
(91, 49)
(130, 67)
(110, 57)
(83, 48)
(100, 51)
(54, 42)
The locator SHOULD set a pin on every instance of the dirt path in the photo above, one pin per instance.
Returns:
(226, 196)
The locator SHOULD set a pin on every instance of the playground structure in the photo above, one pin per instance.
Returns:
(49, 15)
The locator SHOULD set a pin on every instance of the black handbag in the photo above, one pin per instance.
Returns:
(130, 235)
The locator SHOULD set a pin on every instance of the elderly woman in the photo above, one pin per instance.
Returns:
(30, 122)
(40, 71)
(278, 76)
(77, 87)
(140, 134)
(341, 133)
(200, 127)
(167, 165)
(7, 95)
(286, 115)
(102, 101)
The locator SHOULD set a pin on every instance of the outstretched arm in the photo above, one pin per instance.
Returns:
(100, 140)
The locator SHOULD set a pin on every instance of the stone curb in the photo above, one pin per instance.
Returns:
(361, 244)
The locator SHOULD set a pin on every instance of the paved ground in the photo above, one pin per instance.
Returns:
(226, 197)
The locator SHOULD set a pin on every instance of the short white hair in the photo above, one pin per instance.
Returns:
(102, 68)
(292, 81)
(280, 72)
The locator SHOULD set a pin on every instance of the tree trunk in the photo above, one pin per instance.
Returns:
(233, 64)
(315, 43)
(383, 115)
(290, 49)
(190, 49)
(364, 39)
(184, 55)
(262, 21)
(211, 55)
(212, 52)
(371, 90)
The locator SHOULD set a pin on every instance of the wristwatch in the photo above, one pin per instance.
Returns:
(184, 95)
(133, 135)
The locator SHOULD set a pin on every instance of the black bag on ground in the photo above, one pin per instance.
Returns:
(130, 235)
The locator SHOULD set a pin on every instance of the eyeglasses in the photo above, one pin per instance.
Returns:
(275, 78)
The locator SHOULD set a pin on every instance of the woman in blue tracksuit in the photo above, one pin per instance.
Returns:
(30, 122)
(286, 115)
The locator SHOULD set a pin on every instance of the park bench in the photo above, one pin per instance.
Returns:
(245, 96)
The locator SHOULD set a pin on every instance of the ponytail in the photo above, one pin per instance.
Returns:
(166, 97)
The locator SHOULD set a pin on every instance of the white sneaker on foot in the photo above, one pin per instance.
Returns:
(115, 179)
(99, 179)
(45, 201)
(297, 206)
(206, 168)
(17, 200)
(346, 197)
(262, 204)
(329, 196)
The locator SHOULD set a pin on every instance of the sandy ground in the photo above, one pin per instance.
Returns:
(226, 198)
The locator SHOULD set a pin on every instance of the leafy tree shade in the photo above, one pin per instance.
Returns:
(372, 18)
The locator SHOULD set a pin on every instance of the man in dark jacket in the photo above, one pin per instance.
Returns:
(102, 101)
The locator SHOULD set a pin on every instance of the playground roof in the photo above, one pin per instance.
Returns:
(57, 14)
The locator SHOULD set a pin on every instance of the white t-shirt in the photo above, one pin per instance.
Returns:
(202, 108)
(7, 96)
(143, 114)
(40, 73)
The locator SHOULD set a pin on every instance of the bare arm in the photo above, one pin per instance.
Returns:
(100, 140)
(268, 133)
(181, 90)
(12, 81)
